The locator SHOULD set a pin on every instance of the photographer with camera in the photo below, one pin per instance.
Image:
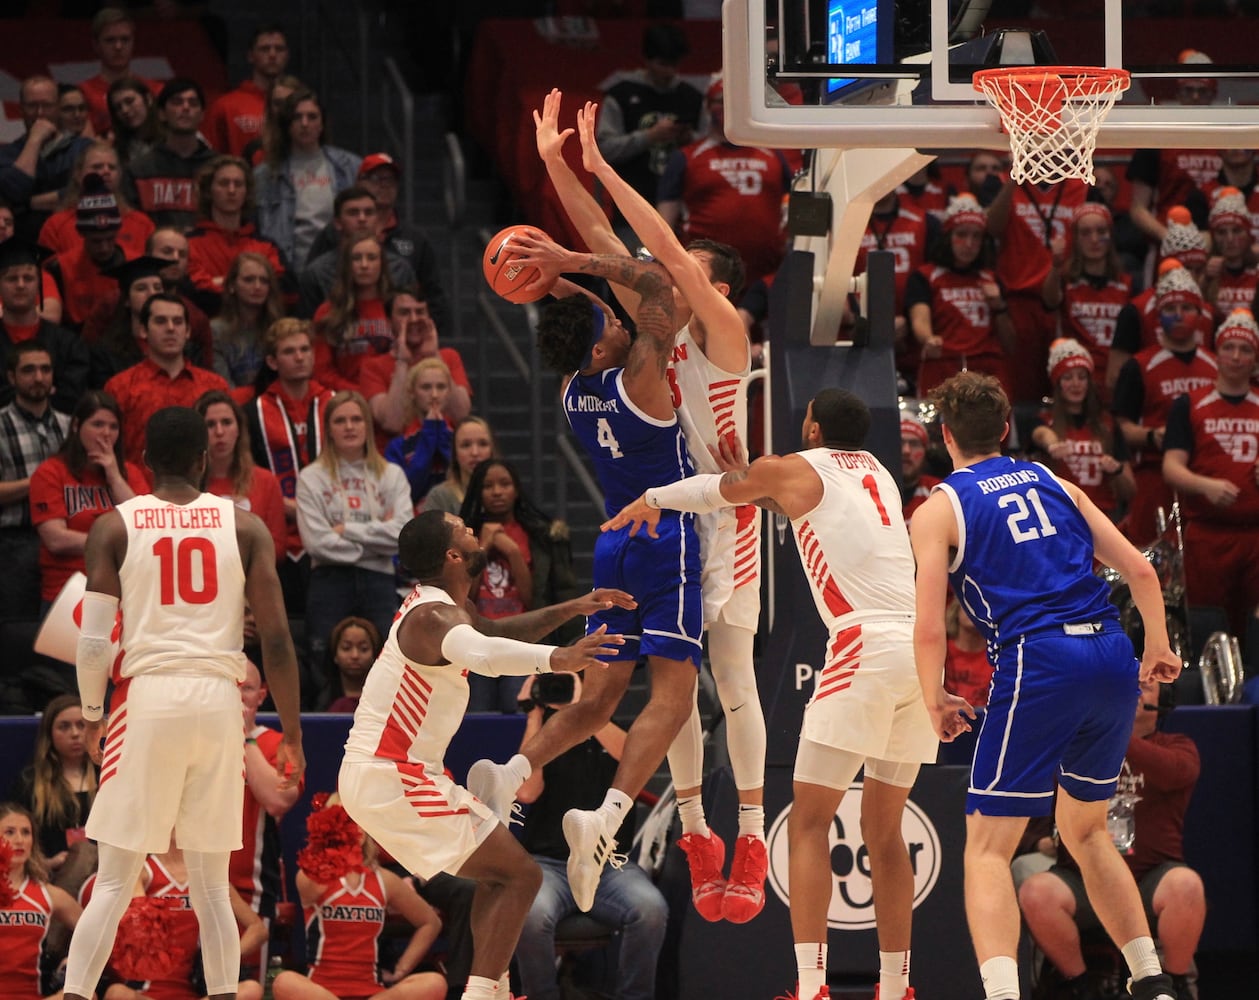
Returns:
(627, 901)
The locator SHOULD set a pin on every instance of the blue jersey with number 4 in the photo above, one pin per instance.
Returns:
(631, 450)
(1024, 560)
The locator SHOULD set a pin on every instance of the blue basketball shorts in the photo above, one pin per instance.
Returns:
(663, 575)
(1061, 708)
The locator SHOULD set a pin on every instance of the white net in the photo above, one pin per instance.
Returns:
(1052, 116)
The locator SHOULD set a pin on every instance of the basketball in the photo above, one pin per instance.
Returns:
(505, 276)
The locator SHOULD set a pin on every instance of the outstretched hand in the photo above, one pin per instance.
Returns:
(636, 515)
(533, 247)
(729, 454)
(547, 124)
(601, 600)
(585, 652)
(591, 157)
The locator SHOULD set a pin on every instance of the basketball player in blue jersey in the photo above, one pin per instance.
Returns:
(1018, 547)
(617, 399)
(709, 367)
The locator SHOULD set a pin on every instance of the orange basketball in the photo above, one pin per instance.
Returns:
(508, 278)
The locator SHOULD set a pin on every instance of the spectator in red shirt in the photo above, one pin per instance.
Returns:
(956, 309)
(352, 324)
(967, 670)
(59, 232)
(236, 118)
(113, 41)
(113, 332)
(225, 203)
(163, 378)
(172, 245)
(916, 484)
(1232, 274)
(1080, 439)
(81, 271)
(1158, 777)
(285, 429)
(251, 304)
(1210, 448)
(732, 194)
(383, 377)
(87, 478)
(231, 473)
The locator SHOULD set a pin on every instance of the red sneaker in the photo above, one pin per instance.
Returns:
(909, 993)
(823, 994)
(705, 856)
(745, 892)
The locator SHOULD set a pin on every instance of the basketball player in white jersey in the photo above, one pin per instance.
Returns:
(845, 513)
(708, 375)
(180, 564)
(392, 780)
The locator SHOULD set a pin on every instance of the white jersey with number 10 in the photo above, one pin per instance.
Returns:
(183, 588)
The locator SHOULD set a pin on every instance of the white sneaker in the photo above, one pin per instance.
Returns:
(589, 848)
(491, 783)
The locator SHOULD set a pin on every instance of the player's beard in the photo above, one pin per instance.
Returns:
(475, 563)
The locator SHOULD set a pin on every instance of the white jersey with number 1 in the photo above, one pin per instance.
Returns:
(183, 587)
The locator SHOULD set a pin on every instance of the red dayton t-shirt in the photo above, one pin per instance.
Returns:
(77, 500)
(338, 367)
(498, 595)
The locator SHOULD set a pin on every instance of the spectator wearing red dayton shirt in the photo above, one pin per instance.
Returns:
(81, 271)
(163, 378)
(113, 40)
(235, 119)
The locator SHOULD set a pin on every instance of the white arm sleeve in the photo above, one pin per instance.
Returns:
(465, 647)
(697, 494)
(95, 652)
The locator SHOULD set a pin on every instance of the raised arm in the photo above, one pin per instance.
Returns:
(727, 344)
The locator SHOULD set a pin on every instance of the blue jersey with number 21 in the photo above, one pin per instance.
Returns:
(1024, 560)
(631, 450)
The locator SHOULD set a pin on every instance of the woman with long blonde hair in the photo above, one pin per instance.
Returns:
(353, 324)
(473, 444)
(351, 507)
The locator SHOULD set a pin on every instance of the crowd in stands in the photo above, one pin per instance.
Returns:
(157, 250)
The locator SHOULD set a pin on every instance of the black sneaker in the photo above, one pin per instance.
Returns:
(1158, 987)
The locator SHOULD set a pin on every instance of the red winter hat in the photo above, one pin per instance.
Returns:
(1228, 207)
(1065, 354)
(1175, 284)
(913, 427)
(1240, 325)
(964, 210)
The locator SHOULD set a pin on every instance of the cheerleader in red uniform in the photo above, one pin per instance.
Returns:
(1079, 437)
(28, 905)
(172, 952)
(345, 899)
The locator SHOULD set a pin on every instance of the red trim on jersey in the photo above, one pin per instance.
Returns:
(406, 716)
(115, 736)
(845, 653)
(815, 565)
(747, 550)
(422, 793)
(721, 397)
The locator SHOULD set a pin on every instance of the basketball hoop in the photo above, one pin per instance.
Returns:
(1052, 115)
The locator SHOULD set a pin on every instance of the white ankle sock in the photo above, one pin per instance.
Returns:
(691, 813)
(1142, 958)
(616, 806)
(752, 821)
(893, 974)
(810, 969)
(1001, 978)
(479, 988)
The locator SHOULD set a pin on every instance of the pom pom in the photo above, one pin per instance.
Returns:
(8, 892)
(1179, 215)
(144, 948)
(334, 846)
